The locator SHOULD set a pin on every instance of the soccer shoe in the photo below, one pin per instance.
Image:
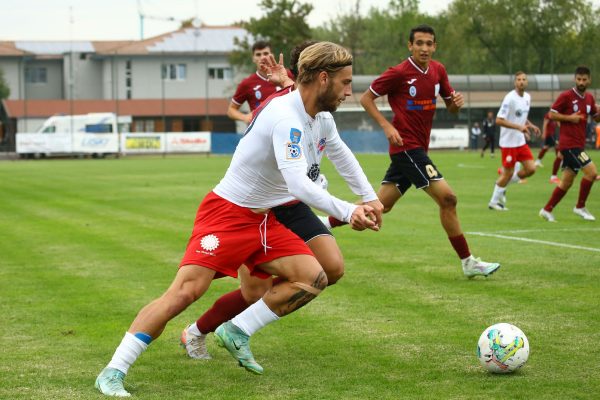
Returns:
(554, 179)
(547, 215)
(538, 163)
(195, 346)
(325, 221)
(497, 207)
(474, 266)
(110, 383)
(236, 342)
(584, 213)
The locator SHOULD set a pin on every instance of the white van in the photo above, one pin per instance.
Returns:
(95, 134)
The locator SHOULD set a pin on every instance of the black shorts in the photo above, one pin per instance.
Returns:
(550, 141)
(411, 167)
(575, 159)
(300, 219)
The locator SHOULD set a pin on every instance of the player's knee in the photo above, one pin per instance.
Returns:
(449, 201)
(178, 301)
(253, 294)
(314, 285)
(334, 271)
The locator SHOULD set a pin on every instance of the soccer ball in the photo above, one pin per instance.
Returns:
(502, 348)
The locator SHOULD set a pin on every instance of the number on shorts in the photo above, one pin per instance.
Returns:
(583, 157)
(431, 171)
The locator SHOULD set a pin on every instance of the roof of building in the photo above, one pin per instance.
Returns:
(211, 39)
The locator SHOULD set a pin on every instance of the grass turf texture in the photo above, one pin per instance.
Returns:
(84, 244)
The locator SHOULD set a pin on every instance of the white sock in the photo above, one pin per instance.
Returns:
(498, 193)
(193, 329)
(254, 317)
(127, 352)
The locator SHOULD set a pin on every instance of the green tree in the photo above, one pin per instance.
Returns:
(4, 89)
(378, 39)
(284, 25)
(537, 36)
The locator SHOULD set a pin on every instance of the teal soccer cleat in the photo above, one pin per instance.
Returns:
(236, 342)
(110, 383)
(474, 266)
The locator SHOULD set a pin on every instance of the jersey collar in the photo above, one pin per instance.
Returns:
(581, 96)
(417, 66)
(261, 77)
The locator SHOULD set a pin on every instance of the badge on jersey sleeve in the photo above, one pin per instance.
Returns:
(293, 151)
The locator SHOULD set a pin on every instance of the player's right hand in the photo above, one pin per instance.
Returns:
(364, 217)
(393, 136)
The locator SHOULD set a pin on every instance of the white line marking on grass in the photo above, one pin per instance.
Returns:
(550, 230)
(521, 239)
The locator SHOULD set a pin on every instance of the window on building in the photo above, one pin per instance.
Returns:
(174, 72)
(128, 79)
(36, 75)
(220, 73)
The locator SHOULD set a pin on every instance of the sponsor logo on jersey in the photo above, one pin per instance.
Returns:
(420, 105)
(519, 113)
(411, 81)
(295, 135)
(256, 87)
(293, 151)
(321, 145)
(313, 172)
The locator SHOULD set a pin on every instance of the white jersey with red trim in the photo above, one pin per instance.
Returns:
(279, 157)
(514, 109)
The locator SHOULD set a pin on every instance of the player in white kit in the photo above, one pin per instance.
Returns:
(234, 224)
(514, 132)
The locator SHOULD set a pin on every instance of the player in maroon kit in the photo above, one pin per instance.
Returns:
(412, 88)
(550, 140)
(255, 88)
(572, 109)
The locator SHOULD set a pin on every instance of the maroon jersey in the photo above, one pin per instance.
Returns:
(550, 126)
(412, 93)
(570, 102)
(254, 89)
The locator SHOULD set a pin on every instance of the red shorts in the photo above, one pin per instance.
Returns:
(510, 155)
(226, 236)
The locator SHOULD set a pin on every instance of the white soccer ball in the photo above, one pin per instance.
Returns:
(502, 348)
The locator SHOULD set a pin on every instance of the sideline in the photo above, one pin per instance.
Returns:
(522, 239)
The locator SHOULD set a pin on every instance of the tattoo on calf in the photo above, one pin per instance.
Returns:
(302, 297)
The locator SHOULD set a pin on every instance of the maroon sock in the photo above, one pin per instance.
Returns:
(226, 307)
(556, 165)
(460, 246)
(542, 152)
(556, 197)
(334, 222)
(584, 192)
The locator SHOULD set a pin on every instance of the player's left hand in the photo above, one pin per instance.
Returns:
(363, 218)
(377, 210)
(457, 99)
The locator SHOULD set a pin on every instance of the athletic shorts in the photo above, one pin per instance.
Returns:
(575, 159)
(300, 219)
(510, 155)
(550, 141)
(226, 236)
(411, 167)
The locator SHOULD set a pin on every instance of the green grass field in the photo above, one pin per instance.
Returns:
(84, 244)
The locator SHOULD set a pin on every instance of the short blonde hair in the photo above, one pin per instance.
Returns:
(322, 56)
